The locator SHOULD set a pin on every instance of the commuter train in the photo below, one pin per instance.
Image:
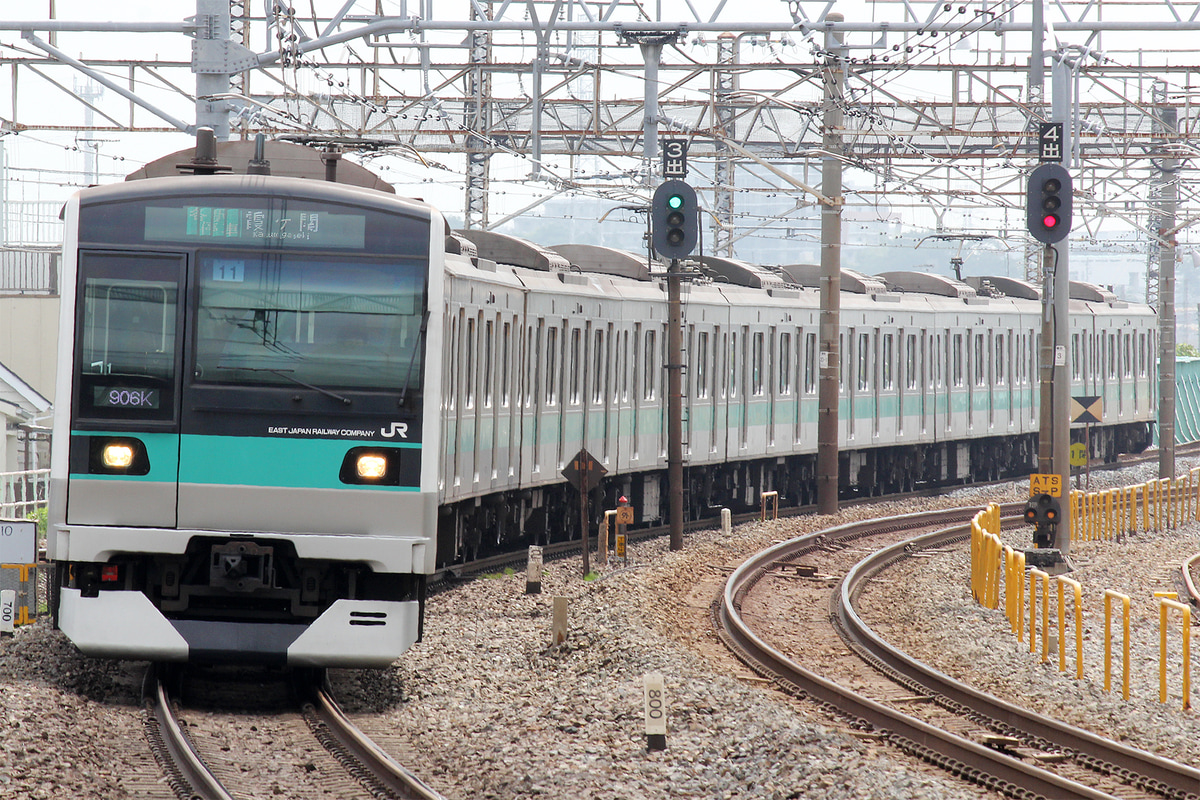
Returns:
(285, 402)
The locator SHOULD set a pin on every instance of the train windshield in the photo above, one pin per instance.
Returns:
(286, 319)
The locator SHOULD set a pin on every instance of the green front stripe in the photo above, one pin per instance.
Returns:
(269, 461)
(243, 460)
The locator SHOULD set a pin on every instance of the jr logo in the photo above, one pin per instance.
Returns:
(400, 428)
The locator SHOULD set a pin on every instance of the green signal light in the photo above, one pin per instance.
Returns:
(675, 201)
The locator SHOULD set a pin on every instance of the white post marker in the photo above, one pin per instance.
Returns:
(726, 521)
(8, 610)
(533, 571)
(560, 627)
(656, 711)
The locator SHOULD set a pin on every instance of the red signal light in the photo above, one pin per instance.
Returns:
(1050, 221)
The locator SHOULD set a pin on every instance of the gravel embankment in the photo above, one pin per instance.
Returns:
(491, 710)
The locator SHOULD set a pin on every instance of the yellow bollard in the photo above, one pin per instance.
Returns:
(1062, 630)
(1146, 506)
(1020, 605)
(1109, 596)
(976, 546)
(1034, 574)
(1165, 604)
(1073, 501)
(1109, 522)
(994, 564)
(1010, 561)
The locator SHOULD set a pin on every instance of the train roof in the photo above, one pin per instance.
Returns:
(605, 260)
(852, 281)
(285, 160)
(514, 251)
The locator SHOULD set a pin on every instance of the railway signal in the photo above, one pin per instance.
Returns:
(1048, 203)
(675, 224)
(1043, 513)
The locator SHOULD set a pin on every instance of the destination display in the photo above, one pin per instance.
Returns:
(279, 227)
(124, 397)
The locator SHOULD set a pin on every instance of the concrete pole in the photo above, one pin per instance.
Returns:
(831, 274)
(651, 52)
(1060, 431)
(675, 405)
(1168, 200)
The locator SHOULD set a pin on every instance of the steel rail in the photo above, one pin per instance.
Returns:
(376, 770)
(186, 771)
(1158, 774)
(961, 756)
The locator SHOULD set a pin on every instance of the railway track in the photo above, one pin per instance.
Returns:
(981, 738)
(368, 770)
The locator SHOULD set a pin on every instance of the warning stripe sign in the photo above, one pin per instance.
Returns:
(1087, 409)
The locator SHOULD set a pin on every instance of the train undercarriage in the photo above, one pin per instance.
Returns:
(509, 520)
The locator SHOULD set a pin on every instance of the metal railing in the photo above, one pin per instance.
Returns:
(23, 493)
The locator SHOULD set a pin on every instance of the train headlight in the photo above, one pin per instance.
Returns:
(117, 455)
(371, 466)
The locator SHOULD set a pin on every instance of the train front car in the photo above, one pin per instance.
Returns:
(246, 469)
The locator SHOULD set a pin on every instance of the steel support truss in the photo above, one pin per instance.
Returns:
(940, 117)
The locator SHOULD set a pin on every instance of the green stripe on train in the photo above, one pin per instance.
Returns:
(247, 460)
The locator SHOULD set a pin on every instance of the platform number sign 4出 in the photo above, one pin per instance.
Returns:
(1050, 143)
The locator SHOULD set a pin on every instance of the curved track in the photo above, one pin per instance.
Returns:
(192, 779)
(1110, 764)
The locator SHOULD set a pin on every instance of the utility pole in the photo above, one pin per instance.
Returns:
(831, 272)
(1059, 254)
(1165, 194)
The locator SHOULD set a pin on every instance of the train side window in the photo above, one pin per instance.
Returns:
(910, 361)
(1126, 363)
(733, 361)
(452, 373)
(1112, 355)
(980, 356)
(843, 359)
(864, 361)
(505, 347)
(469, 365)
(575, 365)
(1076, 360)
(717, 351)
(552, 365)
(810, 363)
(756, 368)
(649, 363)
(885, 366)
(1001, 375)
(702, 364)
(956, 360)
(598, 376)
(488, 375)
(785, 363)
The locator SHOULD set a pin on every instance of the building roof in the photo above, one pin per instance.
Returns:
(18, 399)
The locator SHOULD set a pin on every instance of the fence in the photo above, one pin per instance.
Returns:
(1155, 505)
(23, 493)
(997, 567)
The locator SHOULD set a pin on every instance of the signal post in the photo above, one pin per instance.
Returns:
(1048, 218)
(674, 232)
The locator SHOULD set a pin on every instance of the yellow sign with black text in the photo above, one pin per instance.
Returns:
(1045, 484)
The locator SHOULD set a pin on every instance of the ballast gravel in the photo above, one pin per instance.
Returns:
(487, 707)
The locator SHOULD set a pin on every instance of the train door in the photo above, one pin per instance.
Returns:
(127, 387)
